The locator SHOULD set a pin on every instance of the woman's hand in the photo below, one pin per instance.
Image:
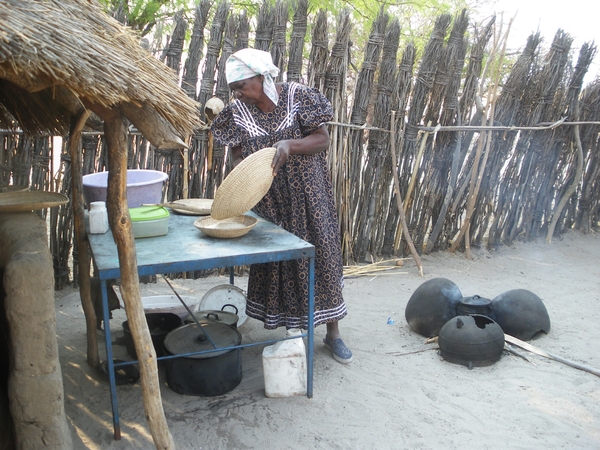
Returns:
(284, 150)
(315, 142)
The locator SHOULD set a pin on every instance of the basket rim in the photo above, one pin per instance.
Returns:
(249, 222)
(22, 201)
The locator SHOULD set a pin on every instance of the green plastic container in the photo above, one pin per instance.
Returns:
(149, 221)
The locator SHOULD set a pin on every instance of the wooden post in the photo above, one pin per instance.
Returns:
(115, 129)
(85, 291)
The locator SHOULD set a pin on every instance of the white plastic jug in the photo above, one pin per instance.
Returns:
(284, 367)
(98, 218)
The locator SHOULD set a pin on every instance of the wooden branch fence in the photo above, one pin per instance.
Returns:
(482, 158)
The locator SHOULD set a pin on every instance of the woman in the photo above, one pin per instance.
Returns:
(291, 118)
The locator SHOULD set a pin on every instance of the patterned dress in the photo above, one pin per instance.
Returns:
(300, 200)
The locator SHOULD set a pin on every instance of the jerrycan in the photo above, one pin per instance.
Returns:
(284, 367)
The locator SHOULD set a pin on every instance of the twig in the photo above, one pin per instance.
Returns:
(515, 352)
(411, 353)
(545, 354)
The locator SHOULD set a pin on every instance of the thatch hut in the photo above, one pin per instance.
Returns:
(60, 61)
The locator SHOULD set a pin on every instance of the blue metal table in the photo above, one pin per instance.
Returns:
(185, 248)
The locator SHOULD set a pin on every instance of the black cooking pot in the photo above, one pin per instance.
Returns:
(207, 374)
(159, 324)
(521, 313)
(431, 305)
(473, 340)
(475, 305)
(222, 316)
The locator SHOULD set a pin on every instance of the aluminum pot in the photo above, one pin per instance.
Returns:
(227, 317)
(207, 374)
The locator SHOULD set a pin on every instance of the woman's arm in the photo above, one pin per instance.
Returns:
(316, 142)
(236, 155)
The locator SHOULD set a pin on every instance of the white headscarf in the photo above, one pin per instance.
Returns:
(248, 63)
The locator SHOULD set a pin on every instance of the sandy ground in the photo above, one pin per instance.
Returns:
(398, 393)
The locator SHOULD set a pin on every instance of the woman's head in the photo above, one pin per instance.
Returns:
(250, 72)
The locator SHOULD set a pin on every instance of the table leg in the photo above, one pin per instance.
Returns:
(110, 366)
(310, 327)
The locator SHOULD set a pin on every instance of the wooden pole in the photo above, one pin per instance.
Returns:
(115, 128)
(567, 195)
(411, 185)
(413, 251)
(85, 291)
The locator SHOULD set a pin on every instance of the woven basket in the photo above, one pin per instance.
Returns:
(244, 186)
(198, 206)
(23, 201)
(227, 228)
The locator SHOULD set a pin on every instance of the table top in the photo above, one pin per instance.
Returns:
(186, 248)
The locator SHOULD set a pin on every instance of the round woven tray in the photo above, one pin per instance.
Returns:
(244, 186)
(227, 228)
(201, 206)
(23, 201)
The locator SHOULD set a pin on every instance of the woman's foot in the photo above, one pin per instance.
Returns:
(340, 352)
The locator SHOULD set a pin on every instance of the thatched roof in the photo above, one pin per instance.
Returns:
(57, 54)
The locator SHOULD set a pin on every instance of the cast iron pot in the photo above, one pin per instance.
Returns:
(159, 324)
(475, 305)
(473, 340)
(227, 317)
(521, 313)
(431, 305)
(207, 374)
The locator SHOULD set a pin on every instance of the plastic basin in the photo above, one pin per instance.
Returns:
(143, 186)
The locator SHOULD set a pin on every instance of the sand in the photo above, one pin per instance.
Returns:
(399, 393)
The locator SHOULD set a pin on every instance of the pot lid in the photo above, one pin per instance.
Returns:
(189, 338)
(475, 300)
(225, 294)
(226, 317)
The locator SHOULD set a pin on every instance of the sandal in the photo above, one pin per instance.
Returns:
(341, 353)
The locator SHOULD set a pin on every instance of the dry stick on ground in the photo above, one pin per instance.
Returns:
(511, 350)
(370, 268)
(413, 251)
(411, 353)
(513, 340)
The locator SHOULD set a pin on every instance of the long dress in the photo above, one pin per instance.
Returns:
(300, 200)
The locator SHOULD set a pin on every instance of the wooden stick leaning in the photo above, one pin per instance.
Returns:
(407, 236)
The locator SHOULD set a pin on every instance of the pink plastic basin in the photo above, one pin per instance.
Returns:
(143, 186)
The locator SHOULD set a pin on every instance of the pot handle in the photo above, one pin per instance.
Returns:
(213, 314)
(229, 304)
